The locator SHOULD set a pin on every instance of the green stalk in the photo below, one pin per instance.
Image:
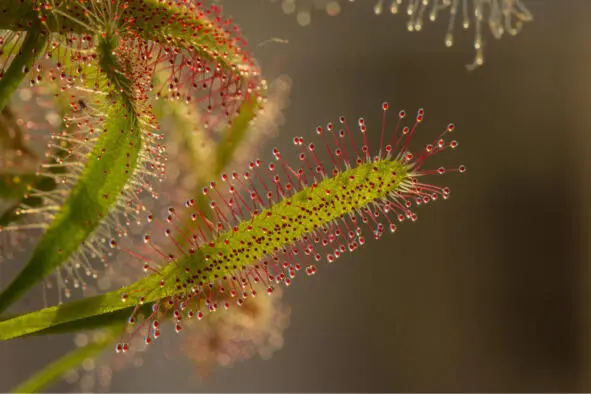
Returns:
(59, 367)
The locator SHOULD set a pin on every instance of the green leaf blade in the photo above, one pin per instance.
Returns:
(109, 168)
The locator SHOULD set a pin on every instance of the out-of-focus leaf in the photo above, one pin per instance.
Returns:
(59, 367)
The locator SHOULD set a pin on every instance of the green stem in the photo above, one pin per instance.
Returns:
(235, 133)
(59, 367)
(29, 52)
(89, 309)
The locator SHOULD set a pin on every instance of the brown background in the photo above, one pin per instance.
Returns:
(488, 291)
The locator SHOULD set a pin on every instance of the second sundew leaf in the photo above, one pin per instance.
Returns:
(109, 168)
(107, 171)
(235, 133)
(271, 228)
(203, 53)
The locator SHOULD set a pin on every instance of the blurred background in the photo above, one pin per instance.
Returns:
(487, 291)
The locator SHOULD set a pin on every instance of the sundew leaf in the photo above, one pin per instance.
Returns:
(59, 367)
(324, 209)
(109, 167)
(158, 286)
(97, 190)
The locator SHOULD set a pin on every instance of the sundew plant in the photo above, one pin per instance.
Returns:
(121, 81)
